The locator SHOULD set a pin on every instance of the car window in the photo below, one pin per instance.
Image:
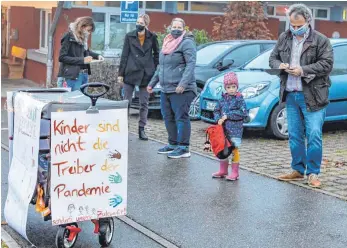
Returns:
(260, 62)
(209, 53)
(243, 54)
(340, 61)
(267, 46)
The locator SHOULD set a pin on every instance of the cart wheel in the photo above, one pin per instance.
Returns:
(106, 231)
(61, 240)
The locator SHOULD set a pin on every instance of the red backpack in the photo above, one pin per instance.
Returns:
(218, 142)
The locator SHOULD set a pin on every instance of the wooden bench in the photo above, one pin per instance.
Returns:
(17, 63)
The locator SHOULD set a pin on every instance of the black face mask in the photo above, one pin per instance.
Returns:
(176, 33)
(139, 28)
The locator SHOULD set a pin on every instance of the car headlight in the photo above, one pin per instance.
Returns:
(252, 113)
(254, 90)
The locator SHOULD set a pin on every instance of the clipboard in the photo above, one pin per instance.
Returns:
(96, 61)
(274, 71)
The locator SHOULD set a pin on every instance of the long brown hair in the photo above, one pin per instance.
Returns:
(80, 23)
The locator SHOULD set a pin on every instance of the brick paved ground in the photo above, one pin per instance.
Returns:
(266, 155)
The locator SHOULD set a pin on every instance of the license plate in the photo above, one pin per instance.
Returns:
(211, 105)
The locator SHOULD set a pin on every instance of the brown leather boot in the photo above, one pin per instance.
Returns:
(313, 181)
(293, 176)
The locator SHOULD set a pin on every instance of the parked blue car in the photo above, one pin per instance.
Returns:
(261, 93)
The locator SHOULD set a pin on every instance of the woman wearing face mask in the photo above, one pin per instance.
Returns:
(139, 60)
(176, 77)
(75, 56)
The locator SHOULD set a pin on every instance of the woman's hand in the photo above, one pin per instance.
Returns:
(149, 89)
(179, 90)
(220, 121)
(88, 59)
(120, 80)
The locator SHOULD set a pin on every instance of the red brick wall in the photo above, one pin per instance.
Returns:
(272, 25)
(36, 72)
(66, 17)
(328, 27)
(194, 21)
(27, 21)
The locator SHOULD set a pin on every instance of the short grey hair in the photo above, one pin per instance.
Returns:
(300, 9)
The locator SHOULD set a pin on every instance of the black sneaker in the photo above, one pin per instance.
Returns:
(166, 149)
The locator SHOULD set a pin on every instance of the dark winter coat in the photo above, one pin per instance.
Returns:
(71, 57)
(316, 61)
(138, 63)
(234, 107)
(177, 68)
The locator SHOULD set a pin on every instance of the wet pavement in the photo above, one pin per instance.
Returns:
(178, 200)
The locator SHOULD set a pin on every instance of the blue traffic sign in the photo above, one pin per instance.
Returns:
(128, 17)
(132, 6)
(129, 11)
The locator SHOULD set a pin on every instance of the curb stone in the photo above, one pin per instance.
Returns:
(8, 240)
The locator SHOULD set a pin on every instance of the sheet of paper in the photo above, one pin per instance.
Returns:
(89, 158)
(24, 164)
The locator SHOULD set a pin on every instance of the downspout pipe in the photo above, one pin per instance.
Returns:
(50, 44)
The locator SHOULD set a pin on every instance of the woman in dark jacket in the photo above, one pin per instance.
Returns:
(139, 60)
(74, 56)
(178, 87)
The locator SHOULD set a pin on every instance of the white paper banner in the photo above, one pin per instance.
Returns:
(24, 164)
(89, 158)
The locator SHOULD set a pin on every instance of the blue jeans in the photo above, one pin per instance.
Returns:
(300, 120)
(75, 84)
(175, 111)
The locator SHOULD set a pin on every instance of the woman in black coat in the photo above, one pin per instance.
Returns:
(75, 56)
(139, 60)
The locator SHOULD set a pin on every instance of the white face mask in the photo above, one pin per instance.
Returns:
(86, 33)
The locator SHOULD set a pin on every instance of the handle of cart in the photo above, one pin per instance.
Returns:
(94, 96)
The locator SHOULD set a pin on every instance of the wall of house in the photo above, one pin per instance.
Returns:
(194, 21)
(272, 25)
(36, 72)
(26, 20)
(35, 4)
(67, 16)
(329, 27)
(197, 21)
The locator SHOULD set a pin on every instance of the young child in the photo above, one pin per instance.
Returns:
(231, 111)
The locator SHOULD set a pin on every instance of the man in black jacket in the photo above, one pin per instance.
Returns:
(306, 57)
(139, 60)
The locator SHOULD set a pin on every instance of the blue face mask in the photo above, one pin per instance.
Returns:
(300, 31)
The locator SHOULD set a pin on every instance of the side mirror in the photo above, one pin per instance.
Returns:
(226, 64)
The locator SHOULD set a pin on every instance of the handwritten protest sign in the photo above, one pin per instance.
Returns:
(89, 154)
(24, 163)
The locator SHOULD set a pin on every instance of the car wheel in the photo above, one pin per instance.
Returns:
(278, 125)
(194, 109)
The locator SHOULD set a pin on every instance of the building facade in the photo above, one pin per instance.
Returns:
(26, 24)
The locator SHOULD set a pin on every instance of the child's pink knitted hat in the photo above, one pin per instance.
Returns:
(230, 78)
